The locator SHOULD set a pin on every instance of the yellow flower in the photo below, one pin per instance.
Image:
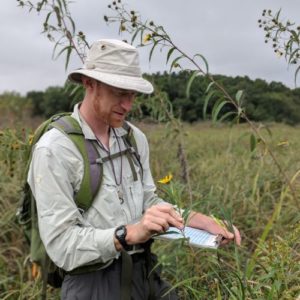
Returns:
(166, 179)
(147, 38)
(283, 143)
(30, 139)
(15, 146)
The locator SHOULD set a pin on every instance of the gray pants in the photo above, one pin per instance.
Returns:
(105, 284)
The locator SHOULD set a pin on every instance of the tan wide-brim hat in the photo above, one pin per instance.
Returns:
(115, 63)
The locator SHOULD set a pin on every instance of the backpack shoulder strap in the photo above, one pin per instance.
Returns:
(26, 209)
(129, 137)
(130, 141)
(93, 171)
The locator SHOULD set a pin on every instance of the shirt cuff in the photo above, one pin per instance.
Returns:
(105, 241)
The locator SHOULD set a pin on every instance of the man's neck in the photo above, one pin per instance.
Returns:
(99, 128)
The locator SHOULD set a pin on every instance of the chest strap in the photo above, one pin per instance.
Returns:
(128, 152)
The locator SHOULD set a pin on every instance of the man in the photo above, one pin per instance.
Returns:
(125, 212)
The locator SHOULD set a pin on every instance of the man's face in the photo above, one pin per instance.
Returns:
(111, 105)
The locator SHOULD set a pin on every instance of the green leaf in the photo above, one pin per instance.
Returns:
(206, 100)
(134, 35)
(204, 60)
(54, 50)
(43, 2)
(226, 115)
(189, 84)
(295, 36)
(142, 35)
(60, 5)
(175, 61)
(72, 24)
(267, 129)
(292, 55)
(219, 296)
(209, 87)
(65, 5)
(58, 15)
(69, 51)
(253, 142)
(152, 49)
(61, 51)
(75, 89)
(239, 96)
(277, 15)
(236, 120)
(48, 16)
(169, 54)
(217, 108)
(296, 74)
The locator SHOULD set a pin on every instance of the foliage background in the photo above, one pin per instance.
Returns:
(222, 174)
(227, 180)
(265, 102)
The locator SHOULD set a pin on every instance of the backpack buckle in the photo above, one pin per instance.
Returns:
(131, 150)
(55, 118)
(81, 210)
(99, 160)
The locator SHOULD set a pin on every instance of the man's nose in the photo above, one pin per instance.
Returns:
(126, 103)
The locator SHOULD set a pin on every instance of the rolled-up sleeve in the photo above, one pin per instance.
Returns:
(69, 239)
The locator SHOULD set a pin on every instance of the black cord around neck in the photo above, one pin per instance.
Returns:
(118, 183)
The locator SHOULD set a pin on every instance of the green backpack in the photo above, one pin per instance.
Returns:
(93, 169)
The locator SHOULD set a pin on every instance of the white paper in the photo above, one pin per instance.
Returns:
(196, 237)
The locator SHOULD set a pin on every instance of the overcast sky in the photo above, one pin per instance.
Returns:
(225, 32)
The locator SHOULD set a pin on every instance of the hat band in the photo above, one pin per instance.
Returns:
(114, 69)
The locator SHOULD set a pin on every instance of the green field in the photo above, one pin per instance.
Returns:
(227, 179)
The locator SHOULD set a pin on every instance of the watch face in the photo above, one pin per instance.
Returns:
(120, 234)
(120, 231)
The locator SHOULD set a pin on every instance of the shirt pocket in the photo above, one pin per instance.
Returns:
(134, 194)
(105, 211)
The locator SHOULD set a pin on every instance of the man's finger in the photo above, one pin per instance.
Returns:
(237, 235)
(168, 213)
(160, 222)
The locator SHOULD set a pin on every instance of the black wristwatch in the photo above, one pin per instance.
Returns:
(120, 234)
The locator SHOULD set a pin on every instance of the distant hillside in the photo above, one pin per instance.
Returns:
(263, 101)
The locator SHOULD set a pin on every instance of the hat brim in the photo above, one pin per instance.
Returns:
(137, 84)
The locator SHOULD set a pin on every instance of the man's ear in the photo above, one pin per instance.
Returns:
(88, 82)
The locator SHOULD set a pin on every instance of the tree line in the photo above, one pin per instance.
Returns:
(271, 102)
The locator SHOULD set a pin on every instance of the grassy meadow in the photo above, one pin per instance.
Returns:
(227, 180)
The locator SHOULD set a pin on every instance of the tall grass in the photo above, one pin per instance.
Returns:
(227, 180)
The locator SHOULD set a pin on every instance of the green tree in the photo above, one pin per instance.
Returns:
(56, 100)
(37, 99)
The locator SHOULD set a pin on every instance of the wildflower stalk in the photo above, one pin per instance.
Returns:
(283, 36)
(157, 36)
(59, 27)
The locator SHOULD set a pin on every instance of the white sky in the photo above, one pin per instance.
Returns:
(225, 32)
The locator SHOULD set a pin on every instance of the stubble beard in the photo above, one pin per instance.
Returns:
(106, 117)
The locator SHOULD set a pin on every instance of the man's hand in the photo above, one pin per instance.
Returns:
(156, 219)
(198, 220)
